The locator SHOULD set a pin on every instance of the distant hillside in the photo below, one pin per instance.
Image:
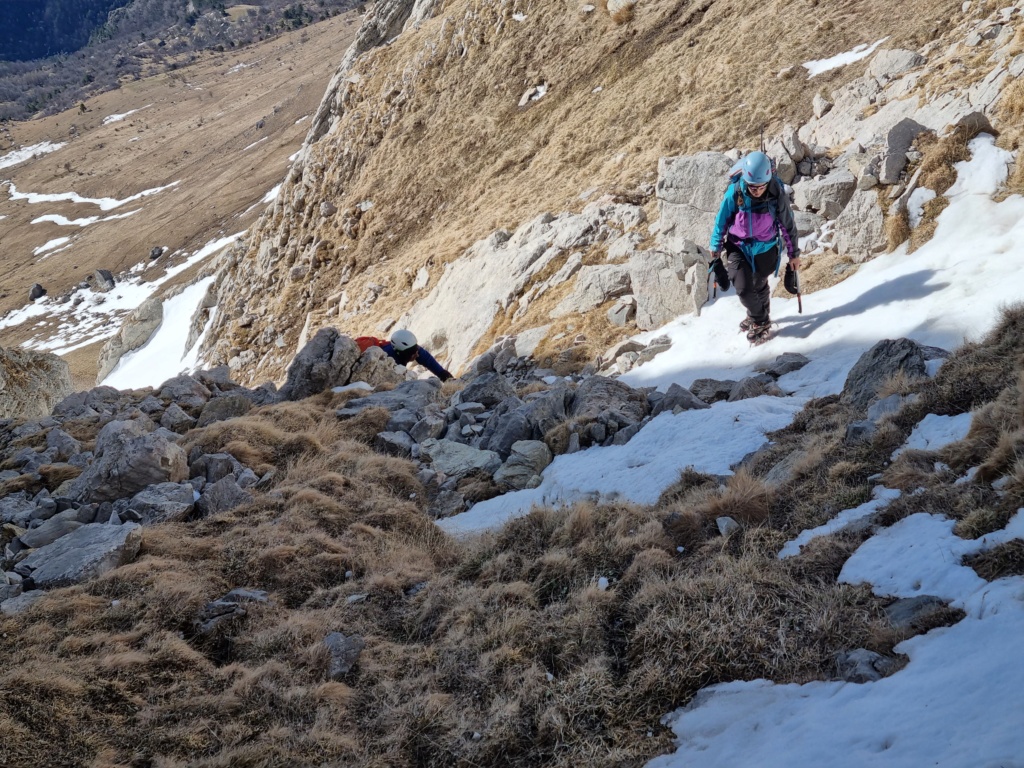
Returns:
(35, 30)
(57, 53)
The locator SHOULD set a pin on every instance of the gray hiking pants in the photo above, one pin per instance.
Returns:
(752, 284)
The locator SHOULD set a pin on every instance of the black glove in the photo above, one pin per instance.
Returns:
(721, 273)
(789, 280)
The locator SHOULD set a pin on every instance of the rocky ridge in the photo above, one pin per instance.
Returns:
(74, 507)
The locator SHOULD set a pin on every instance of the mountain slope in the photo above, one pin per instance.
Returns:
(428, 129)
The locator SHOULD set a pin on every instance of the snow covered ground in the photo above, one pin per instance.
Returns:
(958, 702)
(949, 290)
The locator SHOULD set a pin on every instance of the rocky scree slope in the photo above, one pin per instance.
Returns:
(194, 543)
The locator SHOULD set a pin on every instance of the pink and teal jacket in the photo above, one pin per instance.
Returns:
(756, 225)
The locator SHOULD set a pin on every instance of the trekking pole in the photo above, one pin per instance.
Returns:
(799, 299)
(711, 267)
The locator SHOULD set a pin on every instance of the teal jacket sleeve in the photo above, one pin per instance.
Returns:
(726, 213)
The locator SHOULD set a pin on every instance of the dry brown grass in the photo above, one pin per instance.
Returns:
(745, 498)
(897, 229)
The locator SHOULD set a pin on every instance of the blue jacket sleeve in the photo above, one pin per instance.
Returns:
(726, 213)
(427, 360)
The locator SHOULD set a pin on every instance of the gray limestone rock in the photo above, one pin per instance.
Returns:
(913, 612)
(888, 63)
(860, 431)
(598, 398)
(344, 653)
(783, 471)
(594, 286)
(375, 368)
(21, 603)
(31, 383)
(49, 531)
(128, 459)
(689, 191)
(527, 459)
(898, 141)
(186, 391)
(508, 424)
(783, 364)
(102, 280)
(163, 502)
(226, 608)
(863, 666)
(64, 444)
(431, 425)
(826, 196)
(712, 390)
(82, 554)
(326, 361)
(882, 361)
(456, 460)
(488, 389)
(135, 331)
(754, 386)
(176, 420)
(411, 395)
(403, 420)
(678, 397)
(860, 229)
(667, 284)
(394, 444)
(221, 496)
(222, 408)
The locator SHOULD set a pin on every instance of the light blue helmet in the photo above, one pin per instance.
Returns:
(756, 168)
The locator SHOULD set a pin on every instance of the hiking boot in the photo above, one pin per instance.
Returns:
(746, 323)
(759, 333)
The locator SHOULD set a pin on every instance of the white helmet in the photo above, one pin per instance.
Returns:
(403, 340)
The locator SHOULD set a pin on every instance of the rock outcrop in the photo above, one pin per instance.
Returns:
(31, 383)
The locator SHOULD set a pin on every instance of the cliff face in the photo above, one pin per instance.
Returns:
(490, 113)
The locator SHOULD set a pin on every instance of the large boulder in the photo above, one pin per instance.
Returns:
(82, 554)
(884, 360)
(488, 389)
(135, 331)
(598, 398)
(668, 284)
(860, 229)
(187, 391)
(689, 191)
(826, 196)
(594, 286)
(325, 362)
(31, 383)
(455, 459)
(887, 63)
(164, 502)
(507, 425)
(375, 368)
(129, 457)
(898, 141)
(410, 395)
(527, 459)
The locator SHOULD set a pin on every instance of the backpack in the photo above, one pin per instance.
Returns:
(365, 342)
